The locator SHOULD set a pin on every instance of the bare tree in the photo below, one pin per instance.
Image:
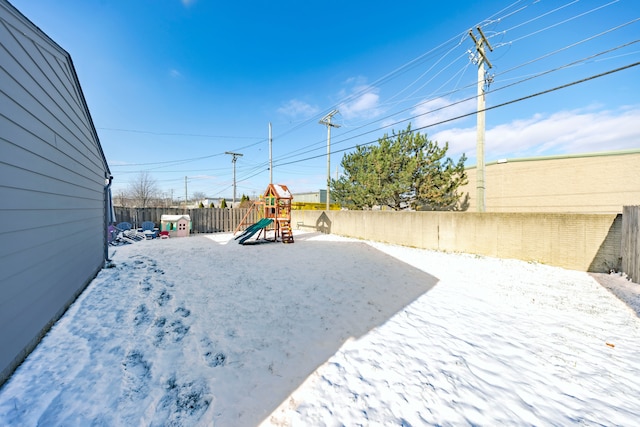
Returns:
(143, 189)
(121, 198)
(199, 196)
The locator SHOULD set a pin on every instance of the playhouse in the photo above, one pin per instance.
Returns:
(274, 209)
(175, 225)
(277, 206)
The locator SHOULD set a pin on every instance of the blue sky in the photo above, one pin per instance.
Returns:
(174, 84)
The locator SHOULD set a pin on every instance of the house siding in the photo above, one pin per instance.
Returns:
(52, 181)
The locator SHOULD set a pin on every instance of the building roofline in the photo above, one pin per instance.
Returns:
(562, 157)
(13, 10)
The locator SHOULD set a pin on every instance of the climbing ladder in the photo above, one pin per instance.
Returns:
(286, 233)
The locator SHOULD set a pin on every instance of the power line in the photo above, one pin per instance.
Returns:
(486, 109)
(535, 19)
(386, 78)
(195, 135)
(470, 98)
(431, 54)
(171, 162)
(618, 27)
(560, 23)
(319, 143)
(261, 165)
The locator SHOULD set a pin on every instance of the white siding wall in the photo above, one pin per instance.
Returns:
(52, 177)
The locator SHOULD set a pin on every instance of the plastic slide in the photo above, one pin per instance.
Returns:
(253, 229)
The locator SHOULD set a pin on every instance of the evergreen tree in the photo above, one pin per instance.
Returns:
(403, 171)
(223, 204)
(245, 202)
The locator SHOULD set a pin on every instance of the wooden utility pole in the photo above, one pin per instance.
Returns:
(270, 157)
(233, 160)
(326, 120)
(481, 59)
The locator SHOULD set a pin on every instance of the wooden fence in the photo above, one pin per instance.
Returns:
(630, 249)
(203, 220)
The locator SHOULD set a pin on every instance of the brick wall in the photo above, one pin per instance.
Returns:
(596, 183)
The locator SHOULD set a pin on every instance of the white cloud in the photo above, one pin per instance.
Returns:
(363, 106)
(298, 109)
(187, 3)
(564, 132)
(361, 100)
(174, 73)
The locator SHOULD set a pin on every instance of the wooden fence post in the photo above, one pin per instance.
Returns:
(630, 250)
(205, 220)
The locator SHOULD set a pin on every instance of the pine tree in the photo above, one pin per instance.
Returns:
(223, 204)
(404, 171)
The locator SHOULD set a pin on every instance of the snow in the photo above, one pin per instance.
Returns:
(282, 191)
(333, 331)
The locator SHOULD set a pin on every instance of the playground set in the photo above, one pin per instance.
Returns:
(275, 211)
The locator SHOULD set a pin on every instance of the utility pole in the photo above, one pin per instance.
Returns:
(185, 194)
(483, 81)
(233, 160)
(326, 120)
(270, 157)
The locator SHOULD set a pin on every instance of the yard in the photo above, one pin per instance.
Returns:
(333, 331)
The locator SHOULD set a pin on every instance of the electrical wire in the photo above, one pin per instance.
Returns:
(558, 23)
(195, 135)
(320, 143)
(261, 168)
(503, 104)
(475, 83)
(537, 75)
(534, 19)
(389, 76)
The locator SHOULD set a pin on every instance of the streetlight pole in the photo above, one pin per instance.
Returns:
(326, 120)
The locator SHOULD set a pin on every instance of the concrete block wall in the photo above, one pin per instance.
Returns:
(585, 242)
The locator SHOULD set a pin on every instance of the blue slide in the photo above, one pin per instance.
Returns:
(253, 229)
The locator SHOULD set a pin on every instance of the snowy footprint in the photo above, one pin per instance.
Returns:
(183, 403)
(212, 357)
(136, 374)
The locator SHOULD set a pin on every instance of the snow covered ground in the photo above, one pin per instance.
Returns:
(333, 331)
